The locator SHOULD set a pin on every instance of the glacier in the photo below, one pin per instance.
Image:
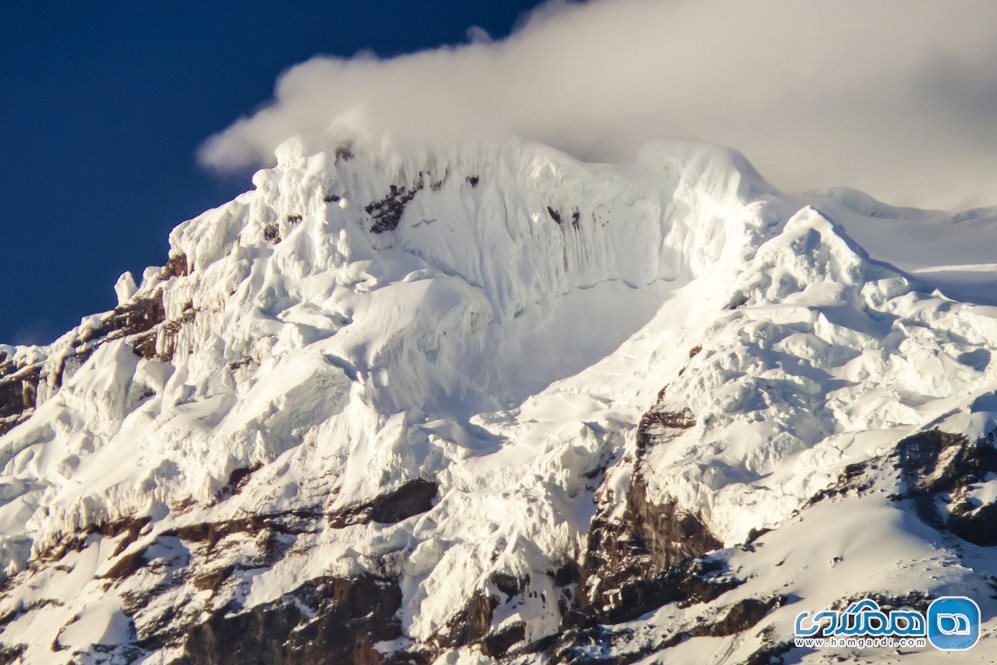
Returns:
(490, 403)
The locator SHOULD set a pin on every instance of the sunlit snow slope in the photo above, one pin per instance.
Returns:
(492, 404)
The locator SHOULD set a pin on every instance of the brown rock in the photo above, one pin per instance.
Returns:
(411, 498)
(326, 620)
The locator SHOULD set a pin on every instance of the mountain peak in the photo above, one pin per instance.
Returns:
(471, 398)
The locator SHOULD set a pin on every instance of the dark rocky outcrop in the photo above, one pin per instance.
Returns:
(176, 266)
(557, 216)
(591, 644)
(273, 532)
(326, 620)
(271, 233)
(11, 654)
(238, 478)
(567, 573)
(917, 600)
(627, 597)
(854, 479)
(129, 527)
(387, 212)
(472, 625)
(654, 554)
(940, 466)
(134, 320)
(18, 392)
(977, 524)
(289, 522)
(140, 321)
(344, 151)
(169, 332)
(501, 641)
(126, 565)
(411, 498)
(650, 556)
(771, 652)
(737, 618)
(935, 461)
(934, 468)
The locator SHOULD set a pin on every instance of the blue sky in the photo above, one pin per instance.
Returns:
(105, 105)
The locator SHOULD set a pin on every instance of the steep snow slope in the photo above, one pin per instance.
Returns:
(494, 403)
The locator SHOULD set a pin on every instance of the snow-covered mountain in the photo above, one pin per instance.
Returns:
(493, 404)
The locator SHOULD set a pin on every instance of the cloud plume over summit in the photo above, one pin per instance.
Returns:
(895, 97)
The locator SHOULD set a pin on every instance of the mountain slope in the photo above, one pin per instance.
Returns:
(492, 403)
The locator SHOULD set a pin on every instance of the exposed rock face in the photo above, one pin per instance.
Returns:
(936, 461)
(587, 645)
(854, 479)
(18, 392)
(134, 320)
(293, 523)
(271, 233)
(412, 498)
(938, 467)
(11, 654)
(140, 322)
(128, 527)
(385, 213)
(166, 336)
(645, 559)
(326, 620)
(176, 266)
(651, 556)
(471, 624)
(975, 523)
(498, 643)
(737, 618)
(772, 651)
(934, 469)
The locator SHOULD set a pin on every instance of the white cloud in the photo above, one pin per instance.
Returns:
(895, 97)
